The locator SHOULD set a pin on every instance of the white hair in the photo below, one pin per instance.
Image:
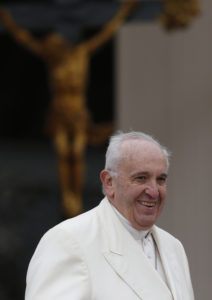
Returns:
(114, 155)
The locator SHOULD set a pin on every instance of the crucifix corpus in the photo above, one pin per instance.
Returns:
(69, 122)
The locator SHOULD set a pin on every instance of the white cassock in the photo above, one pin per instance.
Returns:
(94, 257)
(146, 241)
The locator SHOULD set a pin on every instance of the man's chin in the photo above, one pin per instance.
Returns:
(146, 222)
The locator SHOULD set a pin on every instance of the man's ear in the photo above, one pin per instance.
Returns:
(107, 182)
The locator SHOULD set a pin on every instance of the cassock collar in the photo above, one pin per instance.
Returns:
(137, 234)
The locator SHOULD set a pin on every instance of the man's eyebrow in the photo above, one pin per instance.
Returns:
(147, 173)
(164, 175)
(140, 173)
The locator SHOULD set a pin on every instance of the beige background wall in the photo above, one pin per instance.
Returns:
(165, 88)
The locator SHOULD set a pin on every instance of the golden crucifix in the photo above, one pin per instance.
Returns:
(69, 122)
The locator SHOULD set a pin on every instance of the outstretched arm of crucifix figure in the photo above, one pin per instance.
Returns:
(97, 134)
(111, 27)
(20, 34)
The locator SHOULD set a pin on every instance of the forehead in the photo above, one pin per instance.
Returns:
(139, 153)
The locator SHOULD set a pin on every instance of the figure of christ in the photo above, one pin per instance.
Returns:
(69, 122)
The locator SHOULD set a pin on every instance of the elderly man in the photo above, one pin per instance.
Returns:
(114, 251)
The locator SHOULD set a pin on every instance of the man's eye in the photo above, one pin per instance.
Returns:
(141, 178)
(162, 180)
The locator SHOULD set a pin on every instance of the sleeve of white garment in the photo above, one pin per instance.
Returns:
(187, 270)
(57, 270)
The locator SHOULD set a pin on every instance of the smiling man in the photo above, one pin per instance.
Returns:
(115, 251)
(137, 184)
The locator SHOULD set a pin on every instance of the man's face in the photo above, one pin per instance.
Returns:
(139, 190)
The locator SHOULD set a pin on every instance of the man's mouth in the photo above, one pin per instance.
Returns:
(148, 204)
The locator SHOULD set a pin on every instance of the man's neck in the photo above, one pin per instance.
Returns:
(137, 234)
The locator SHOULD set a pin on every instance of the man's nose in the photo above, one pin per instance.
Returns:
(152, 190)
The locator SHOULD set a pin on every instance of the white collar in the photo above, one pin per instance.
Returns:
(137, 234)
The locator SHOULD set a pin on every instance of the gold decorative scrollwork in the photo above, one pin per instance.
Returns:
(179, 13)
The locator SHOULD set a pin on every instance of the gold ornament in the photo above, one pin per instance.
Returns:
(179, 13)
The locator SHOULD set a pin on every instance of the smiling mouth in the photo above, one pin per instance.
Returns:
(148, 204)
